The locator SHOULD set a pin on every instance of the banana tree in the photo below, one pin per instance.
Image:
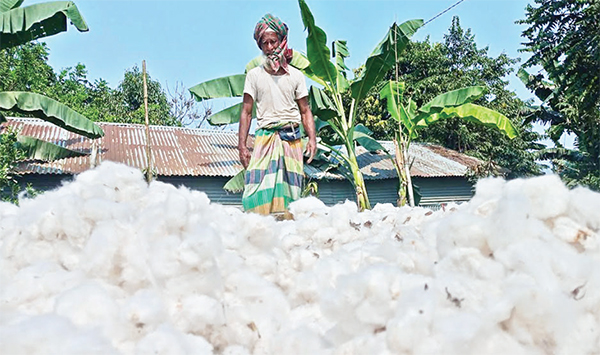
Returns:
(19, 25)
(326, 102)
(456, 103)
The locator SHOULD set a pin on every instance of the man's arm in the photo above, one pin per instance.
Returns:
(245, 118)
(309, 127)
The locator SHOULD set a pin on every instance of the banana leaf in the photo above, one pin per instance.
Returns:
(228, 86)
(453, 98)
(316, 47)
(392, 91)
(6, 5)
(362, 135)
(235, 184)
(24, 24)
(320, 124)
(473, 113)
(383, 57)
(560, 153)
(340, 52)
(321, 105)
(42, 150)
(49, 110)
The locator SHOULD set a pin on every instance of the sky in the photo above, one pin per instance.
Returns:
(191, 41)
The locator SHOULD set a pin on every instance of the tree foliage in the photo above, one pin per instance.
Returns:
(563, 38)
(430, 69)
(10, 155)
(26, 68)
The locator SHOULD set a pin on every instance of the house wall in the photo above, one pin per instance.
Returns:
(434, 191)
(211, 185)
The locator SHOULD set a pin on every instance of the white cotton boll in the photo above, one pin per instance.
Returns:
(470, 263)
(512, 220)
(462, 230)
(547, 194)
(264, 265)
(292, 241)
(496, 341)
(102, 249)
(113, 181)
(583, 338)
(261, 233)
(459, 331)
(367, 344)
(33, 288)
(305, 289)
(172, 205)
(303, 259)
(7, 209)
(404, 334)
(541, 316)
(236, 350)
(308, 207)
(169, 341)
(299, 341)
(486, 190)
(567, 230)
(90, 304)
(195, 313)
(341, 214)
(100, 209)
(584, 207)
(145, 309)
(200, 244)
(208, 281)
(51, 334)
(163, 257)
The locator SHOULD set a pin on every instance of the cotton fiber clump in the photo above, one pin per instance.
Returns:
(107, 264)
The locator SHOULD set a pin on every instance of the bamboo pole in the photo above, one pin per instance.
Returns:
(148, 150)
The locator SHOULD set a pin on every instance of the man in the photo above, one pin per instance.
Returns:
(274, 171)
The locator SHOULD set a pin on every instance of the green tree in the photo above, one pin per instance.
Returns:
(129, 99)
(431, 69)
(563, 38)
(20, 25)
(10, 155)
(25, 68)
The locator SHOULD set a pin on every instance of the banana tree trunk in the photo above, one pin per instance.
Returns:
(405, 193)
(409, 186)
(362, 199)
(402, 198)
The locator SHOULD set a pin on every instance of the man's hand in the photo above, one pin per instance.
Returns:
(309, 127)
(245, 118)
(244, 156)
(311, 149)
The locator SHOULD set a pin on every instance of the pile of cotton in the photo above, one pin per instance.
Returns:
(107, 264)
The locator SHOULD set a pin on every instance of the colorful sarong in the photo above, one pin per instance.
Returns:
(275, 174)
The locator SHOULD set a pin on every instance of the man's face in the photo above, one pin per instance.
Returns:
(269, 42)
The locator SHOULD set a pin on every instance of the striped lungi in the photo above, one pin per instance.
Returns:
(275, 173)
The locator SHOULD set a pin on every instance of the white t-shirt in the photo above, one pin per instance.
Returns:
(275, 95)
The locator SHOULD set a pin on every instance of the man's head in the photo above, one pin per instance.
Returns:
(268, 42)
(270, 34)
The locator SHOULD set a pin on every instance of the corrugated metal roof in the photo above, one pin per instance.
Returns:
(178, 151)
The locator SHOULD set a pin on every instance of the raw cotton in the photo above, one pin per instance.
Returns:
(107, 264)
